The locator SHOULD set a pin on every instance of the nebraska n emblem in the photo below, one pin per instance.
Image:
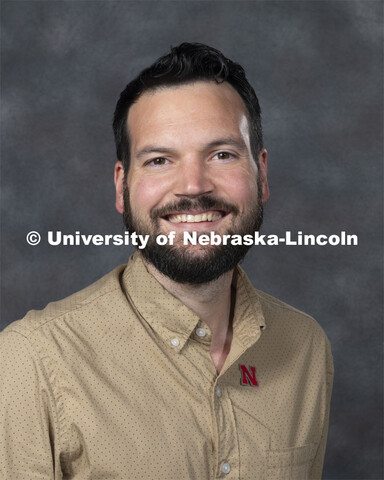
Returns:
(248, 376)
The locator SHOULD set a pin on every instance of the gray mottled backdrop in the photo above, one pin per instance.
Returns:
(317, 68)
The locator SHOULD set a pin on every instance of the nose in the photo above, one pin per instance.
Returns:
(193, 178)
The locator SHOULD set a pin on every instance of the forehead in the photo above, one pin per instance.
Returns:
(200, 108)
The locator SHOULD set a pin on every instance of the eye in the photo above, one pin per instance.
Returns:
(157, 162)
(223, 156)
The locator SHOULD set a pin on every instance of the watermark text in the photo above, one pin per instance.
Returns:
(58, 238)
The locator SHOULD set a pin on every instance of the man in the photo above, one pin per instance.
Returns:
(174, 366)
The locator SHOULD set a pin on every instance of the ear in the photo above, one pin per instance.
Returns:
(263, 169)
(119, 185)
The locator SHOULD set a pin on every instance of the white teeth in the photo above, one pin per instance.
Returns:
(202, 217)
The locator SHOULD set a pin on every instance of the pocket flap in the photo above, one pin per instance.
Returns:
(291, 456)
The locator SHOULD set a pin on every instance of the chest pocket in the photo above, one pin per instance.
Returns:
(290, 463)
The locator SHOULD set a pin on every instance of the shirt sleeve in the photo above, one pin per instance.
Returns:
(25, 426)
(317, 465)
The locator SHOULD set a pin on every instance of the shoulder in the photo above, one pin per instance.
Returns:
(288, 329)
(286, 324)
(276, 309)
(75, 305)
(285, 321)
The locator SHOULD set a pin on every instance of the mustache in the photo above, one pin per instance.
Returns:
(204, 202)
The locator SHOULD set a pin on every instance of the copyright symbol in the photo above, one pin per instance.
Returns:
(33, 238)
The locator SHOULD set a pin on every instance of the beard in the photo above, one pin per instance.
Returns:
(194, 264)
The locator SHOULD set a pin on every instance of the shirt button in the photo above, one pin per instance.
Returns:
(200, 332)
(175, 342)
(218, 394)
(225, 468)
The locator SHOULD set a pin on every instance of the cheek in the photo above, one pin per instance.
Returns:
(241, 187)
(146, 193)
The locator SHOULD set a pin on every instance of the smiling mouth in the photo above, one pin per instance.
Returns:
(210, 216)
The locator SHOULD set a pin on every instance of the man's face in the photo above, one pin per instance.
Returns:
(191, 169)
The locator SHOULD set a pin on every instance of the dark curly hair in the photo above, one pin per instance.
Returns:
(187, 63)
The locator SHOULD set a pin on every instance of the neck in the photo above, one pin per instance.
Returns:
(212, 302)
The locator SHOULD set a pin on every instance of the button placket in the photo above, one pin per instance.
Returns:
(227, 448)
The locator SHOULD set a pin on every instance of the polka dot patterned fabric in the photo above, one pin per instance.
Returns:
(117, 382)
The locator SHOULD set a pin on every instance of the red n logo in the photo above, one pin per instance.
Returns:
(248, 378)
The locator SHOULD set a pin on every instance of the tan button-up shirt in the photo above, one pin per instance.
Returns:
(117, 382)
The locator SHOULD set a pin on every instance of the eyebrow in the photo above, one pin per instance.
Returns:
(153, 149)
(233, 141)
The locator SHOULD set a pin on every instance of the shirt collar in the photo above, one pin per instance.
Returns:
(248, 319)
(171, 319)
